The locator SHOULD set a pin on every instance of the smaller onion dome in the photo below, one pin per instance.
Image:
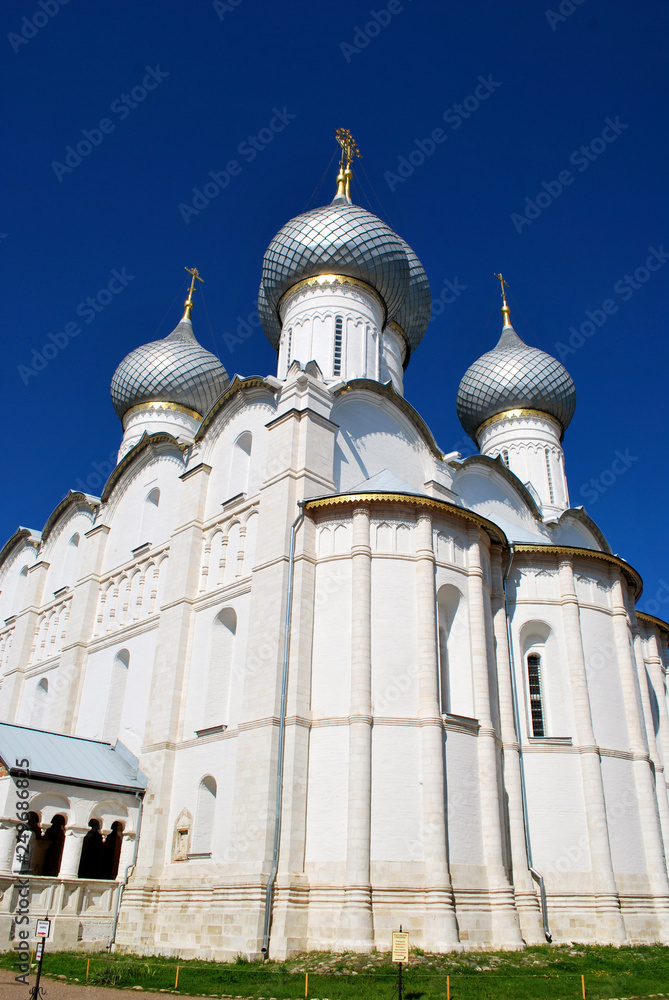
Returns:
(173, 370)
(513, 376)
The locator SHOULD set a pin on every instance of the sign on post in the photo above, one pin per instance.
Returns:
(400, 946)
(43, 928)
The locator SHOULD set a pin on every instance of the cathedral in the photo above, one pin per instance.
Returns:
(297, 676)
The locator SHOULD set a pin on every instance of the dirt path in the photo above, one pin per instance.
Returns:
(56, 989)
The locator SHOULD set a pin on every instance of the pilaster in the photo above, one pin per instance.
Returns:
(440, 926)
(356, 926)
(529, 912)
(22, 642)
(506, 930)
(612, 927)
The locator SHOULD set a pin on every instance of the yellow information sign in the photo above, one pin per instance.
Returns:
(400, 946)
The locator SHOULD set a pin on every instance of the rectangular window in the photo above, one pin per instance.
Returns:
(336, 365)
(536, 704)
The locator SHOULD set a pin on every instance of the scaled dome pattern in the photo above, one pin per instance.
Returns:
(174, 370)
(514, 375)
(342, 238)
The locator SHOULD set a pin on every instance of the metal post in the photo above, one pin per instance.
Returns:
(38, 991)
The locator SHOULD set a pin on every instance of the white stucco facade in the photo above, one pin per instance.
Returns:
(466, 703)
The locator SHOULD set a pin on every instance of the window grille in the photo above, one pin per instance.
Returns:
(505, 457)
(536, 702)
(336, 366)
(289, 344)
(550, 477)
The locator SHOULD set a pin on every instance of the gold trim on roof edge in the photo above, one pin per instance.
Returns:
(237, 385)
(146, 441)
(573, 550)
(387, 390)
(409, 498)
(654, 620)
(520, 412)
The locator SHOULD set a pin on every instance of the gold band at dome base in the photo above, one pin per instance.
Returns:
(329, 279)
(510, 414)
(157, 405)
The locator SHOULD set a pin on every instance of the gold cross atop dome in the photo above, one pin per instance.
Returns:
(349, 151)
(189, 301)
(506, 312)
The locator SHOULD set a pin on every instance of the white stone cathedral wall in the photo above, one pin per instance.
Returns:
(372, 439)
(604, 687)
(625, 834)
(127, 504)
(394, 671)
(463, 809)
(558, 828)
(237, 671)
(331, 650)
(96, 689)
(397, 834)
(218, 452)
(217, 757)
(327, 808)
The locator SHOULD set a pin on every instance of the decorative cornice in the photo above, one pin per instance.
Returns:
(400, 402)
(25, 535)
(236, 386)
(73, 498)
(409, 500)
(501, 469)
(575, 551)
(146, 441)
(652, 620)
(327, 280)
(516, 414)
(159, 405)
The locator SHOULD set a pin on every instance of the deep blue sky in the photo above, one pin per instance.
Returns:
(219, 72)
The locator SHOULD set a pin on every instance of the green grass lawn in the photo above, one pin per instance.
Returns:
(544, 973)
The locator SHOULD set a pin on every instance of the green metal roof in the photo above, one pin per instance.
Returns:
(70, 759)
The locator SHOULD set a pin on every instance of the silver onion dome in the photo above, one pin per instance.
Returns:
(175, 370)
(340, 238)
(414, 313)
(511, 376)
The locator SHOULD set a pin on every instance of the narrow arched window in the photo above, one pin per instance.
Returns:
(338, 337)
(20, 592)
(71, 561)
(240, 465)
(289, 346)
(536, 700)
(505, 457)
(205, 815)
(149, 516)
(116, 696)
(40, 704)
(219, 674)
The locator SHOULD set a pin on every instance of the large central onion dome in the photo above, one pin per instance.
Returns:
(513, 376)
(345, 239)
(173, 370)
